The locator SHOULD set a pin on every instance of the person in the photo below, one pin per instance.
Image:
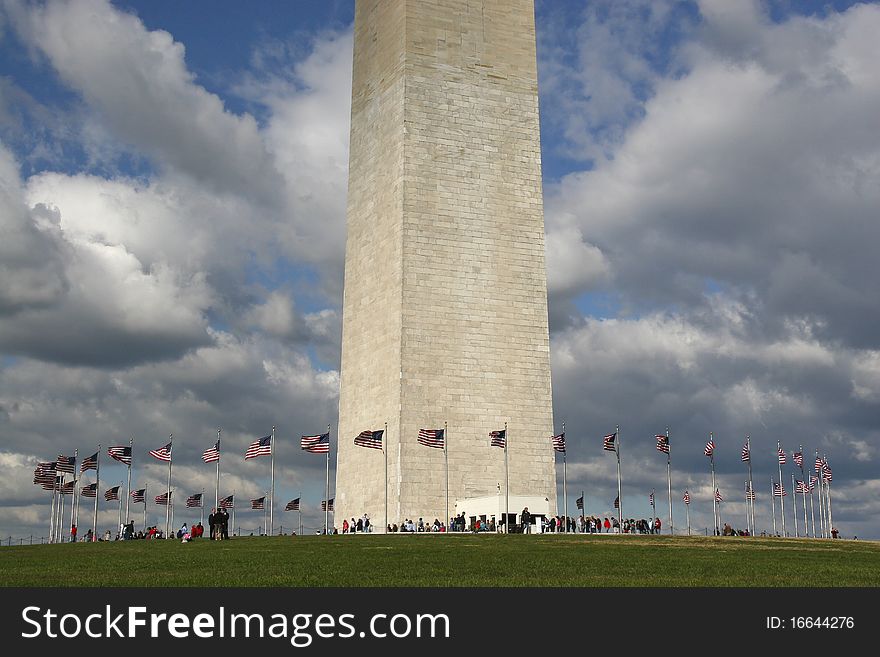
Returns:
(183, 530)
(656, 525)
(345, 526)
(73, 533)
(212, 523)
(89, 536)
(834, 532)
(367, 527)
(359, 527)
(526, 520)
(607, 525)
(224, 524)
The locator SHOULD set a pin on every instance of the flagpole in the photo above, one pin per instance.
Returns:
(687, 511)
(74, 502)
(119, 525)
(52, 514)
(506, 482)
(669, 480)
(272, 495)
(385, 449)
(751, 502)
(823, 505)
(781, 483)
(812, 514)
(145, 508)
(773, 503)
(619, 495)
(714, 487)
(830, 517)
(794, 507)
(653, 506)
(233, 512)
(299, 508)
(751, 532)
(804, 493)
(565, 482)
(446, 458)
(217, 482)
(97, 492)
(168, 500)
(58, 532)
(128, 487)
(202, 508)
(56, 491)
(327, 487)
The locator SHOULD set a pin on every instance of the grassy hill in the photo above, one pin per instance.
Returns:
(449, 560)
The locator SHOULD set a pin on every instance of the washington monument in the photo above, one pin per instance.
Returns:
(445, 304)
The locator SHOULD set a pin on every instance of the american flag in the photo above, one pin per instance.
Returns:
(53, 485)
(818, 464)
(813, 481)
(121, 453)
(498, 438)
(112, 494)
(826, 471)
(259, 503)
(65, 464)
(89, 491)
(710, 448)
(69, 488)
(194, 500)
(686, 498)
(798, 459)
(44, 476)
(44, 473)
(558, 442)
(138, 496)
(162, 500)
(608, 442)
(89, 463)
(779, 490)
(746, 455)
(435, 438)
(212, 454)
(371, 439)
(663, 443)
(293, 505)
(781, 453)
(228, 502)
(163, 453)
(750, 494)
(718, 497)
(319, 444)
(617, 502)
(260, 447)
(580, 502)
(800, 487)
(327, 506)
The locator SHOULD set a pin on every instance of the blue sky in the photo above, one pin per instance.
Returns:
(172, 185)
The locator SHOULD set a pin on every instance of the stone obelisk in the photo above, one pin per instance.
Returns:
(445, 302)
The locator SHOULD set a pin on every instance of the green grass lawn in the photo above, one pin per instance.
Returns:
(449, 560)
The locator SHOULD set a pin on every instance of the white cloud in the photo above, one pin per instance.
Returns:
(137, 80)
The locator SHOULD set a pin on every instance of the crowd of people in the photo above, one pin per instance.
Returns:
(360, 526)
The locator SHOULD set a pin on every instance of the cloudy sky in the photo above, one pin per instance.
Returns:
(172, 228)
